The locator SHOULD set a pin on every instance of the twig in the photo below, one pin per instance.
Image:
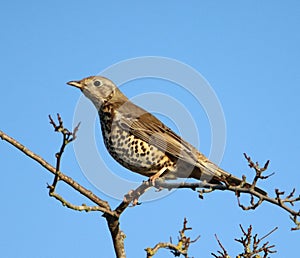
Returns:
(223, 253)
(181, 248)
(133, 197)
(112, 216)
(279, 200)
(69, 205)
(117, 234)
(67, 138)
(251, 245)
(68, 180)
(250, 250)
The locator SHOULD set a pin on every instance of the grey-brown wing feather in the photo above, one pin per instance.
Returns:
(148, 128)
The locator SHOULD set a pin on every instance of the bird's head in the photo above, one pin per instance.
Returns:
(98, 89)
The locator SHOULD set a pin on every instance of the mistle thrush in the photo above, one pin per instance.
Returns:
(142, 143)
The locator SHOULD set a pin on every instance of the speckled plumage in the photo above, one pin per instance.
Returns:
(130, 151)
(141, 142)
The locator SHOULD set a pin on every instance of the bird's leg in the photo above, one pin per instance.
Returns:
(157, 175)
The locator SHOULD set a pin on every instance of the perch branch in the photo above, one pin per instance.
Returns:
(112, 216)
(256, 198)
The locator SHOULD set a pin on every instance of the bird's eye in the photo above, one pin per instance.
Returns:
(97, 83)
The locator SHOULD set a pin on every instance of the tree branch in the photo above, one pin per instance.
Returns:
(251, 245)
(112, 216)
(68, 180)
(286, 203)
(181, 248)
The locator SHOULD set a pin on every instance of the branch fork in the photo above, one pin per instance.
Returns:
(112, 215)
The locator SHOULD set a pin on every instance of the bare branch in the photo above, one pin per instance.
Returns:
(248, 239)
(69, 205)
(223, 253)
(256, 198)
(112, 216)
(133, 197)
(181, 248)
(67, 138)
(253, 205)
(295, 220)
(251, 245)
(68, 180)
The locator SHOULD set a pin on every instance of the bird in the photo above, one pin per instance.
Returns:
(143, 144)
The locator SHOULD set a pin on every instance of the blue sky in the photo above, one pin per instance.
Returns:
(249, 53)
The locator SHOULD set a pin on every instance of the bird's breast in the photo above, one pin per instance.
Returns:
(132, 152)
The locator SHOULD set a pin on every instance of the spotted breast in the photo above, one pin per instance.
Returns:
(131, 152)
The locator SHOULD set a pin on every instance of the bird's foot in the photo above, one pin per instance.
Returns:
(153, 178)
(156, 176)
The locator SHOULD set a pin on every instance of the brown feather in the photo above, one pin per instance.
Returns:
(148, 128)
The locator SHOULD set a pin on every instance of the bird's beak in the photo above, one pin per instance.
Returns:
(76, 84)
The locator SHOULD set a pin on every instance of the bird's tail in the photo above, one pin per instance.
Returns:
(214, 174)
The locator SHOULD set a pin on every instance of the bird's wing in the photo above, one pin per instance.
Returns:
(148, 128)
